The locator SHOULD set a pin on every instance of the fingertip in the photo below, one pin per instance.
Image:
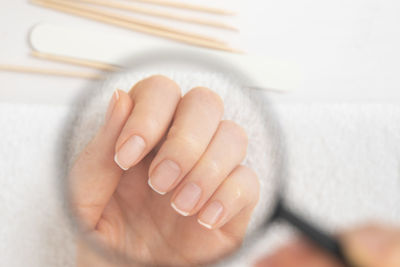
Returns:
(119, 109)
(118, 117)
(181, 212)
(119, 164)
(125, 101)
(154, 189)
(208, 226)
(212, 215)
(130, 152)
(232, 204)
(117, 93)
(154, 101)
(156, 81)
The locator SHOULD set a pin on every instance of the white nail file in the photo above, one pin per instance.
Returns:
(98, 45)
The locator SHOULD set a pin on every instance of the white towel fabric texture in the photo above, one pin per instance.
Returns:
(342, 163)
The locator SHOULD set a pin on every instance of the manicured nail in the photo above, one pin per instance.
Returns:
(164, 175)
(111, 106)
(211, 214)
(187, 199)
(130, 152)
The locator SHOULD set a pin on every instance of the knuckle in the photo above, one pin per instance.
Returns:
(214, 168)
(151, 127)
(156, 83)
(158, 77)
(207, 96)
(190, 144)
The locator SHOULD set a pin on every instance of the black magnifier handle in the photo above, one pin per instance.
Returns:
(313, 233)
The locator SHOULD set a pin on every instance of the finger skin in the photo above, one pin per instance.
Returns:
(373, 245)
(225, 152)
(237, 195)
(299, 253)
(155, 100)
(95, 175)
(196, 120)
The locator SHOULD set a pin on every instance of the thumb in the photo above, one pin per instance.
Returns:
(373, 246)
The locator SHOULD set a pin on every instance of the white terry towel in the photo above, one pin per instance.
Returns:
(344, 165)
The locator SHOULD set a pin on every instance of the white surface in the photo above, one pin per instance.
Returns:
(344, 48)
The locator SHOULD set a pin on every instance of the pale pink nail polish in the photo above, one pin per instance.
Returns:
(163, 176)
(130, 152)
(211, 214)
(187, 198)
(111, 106)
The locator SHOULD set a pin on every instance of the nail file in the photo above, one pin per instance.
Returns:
(111, 48)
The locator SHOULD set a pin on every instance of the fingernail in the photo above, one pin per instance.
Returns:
(164, 175)
(111, 106)
(130, 151)
(187, 199)
(211, 214)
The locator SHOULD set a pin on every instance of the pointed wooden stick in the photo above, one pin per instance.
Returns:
(76, 61)
(188, 6)
(143, 22)
(78, 10)
(53, 72)
(161, 14)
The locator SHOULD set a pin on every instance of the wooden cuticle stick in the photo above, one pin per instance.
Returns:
(98, 15)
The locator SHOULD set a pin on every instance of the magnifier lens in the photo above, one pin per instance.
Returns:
(139, 235)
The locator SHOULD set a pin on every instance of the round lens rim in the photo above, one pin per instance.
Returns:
(213, 63)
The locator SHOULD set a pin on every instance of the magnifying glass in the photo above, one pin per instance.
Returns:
(269, 145)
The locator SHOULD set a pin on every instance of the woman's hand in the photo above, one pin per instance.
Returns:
(368, 246)
(161, 181)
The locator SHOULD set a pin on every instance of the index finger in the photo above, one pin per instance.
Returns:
(94, 176)
(155, 100)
